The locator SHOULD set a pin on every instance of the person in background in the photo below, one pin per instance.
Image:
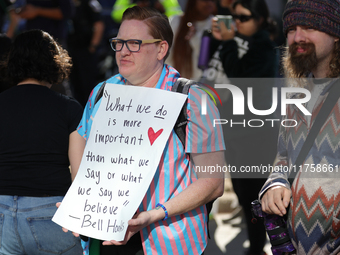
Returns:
(167, 7)
(6, 12)
(312, 58)
(142, 45)
(188, 30)
(5, 44)
(37, 145)
(85, 35)
(252, 22)
(249, 53)
(50, 16)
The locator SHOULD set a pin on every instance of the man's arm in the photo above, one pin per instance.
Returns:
(75, 151)
(30, 12)
(65, 10)
(14, 20)
(206, 188)
(275, 193)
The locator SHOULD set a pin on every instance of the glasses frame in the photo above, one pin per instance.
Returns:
(242, 18)
(136, 40)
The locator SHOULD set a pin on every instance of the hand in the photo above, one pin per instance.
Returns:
(276, 200)
(29, 12)
(138, 222)
(221, 32)
(64, 229)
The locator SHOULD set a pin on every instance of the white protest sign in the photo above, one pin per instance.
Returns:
(128, 136)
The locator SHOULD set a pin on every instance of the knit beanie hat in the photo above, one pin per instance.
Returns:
(322, 15)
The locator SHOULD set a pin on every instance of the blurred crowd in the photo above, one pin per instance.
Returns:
(248, 48)
(84, 28)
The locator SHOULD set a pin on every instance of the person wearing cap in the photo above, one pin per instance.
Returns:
(313, 31)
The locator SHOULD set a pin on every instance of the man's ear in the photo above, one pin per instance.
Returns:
(336, 39)
(162, 49)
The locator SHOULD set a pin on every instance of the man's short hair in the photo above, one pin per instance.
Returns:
(159, 26)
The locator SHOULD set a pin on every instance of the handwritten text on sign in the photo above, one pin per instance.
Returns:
(127, 138)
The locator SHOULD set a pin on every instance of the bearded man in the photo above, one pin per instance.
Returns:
(313, 30)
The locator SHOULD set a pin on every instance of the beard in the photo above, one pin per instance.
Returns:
(302, 63)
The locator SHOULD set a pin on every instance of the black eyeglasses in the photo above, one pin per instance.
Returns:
(242, 18)
(133, 45)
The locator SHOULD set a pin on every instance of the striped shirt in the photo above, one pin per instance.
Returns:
(185, 233)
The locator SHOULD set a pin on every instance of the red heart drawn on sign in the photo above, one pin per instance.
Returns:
(152, 135)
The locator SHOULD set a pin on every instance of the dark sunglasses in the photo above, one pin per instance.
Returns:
(242, 18)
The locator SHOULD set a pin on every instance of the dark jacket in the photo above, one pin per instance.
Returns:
(260, 61)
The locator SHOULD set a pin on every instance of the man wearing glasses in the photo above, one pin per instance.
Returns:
(172, 216)
(133, 45)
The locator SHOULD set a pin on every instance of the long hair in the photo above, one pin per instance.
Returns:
(159, 26)
(334, 64)
(260, 12)
(182, 51)
(35, 54)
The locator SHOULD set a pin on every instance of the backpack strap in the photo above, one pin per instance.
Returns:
(320, 119)
(182, 85)
(99, 93)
